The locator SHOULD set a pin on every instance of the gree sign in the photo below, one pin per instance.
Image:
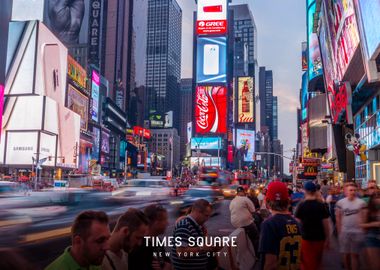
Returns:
(211, 17)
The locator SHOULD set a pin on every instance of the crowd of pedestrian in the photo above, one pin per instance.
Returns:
(289, 228)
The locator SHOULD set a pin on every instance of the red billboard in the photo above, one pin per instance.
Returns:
(142, 132)
(211, 109)
(211, 17)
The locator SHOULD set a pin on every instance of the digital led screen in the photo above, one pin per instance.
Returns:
(246, 143)
(78, 103)
(304, 56)
(344, 34)
(246, 100)
(212, 17)
(95, 96)
(304, 96)
(212, 60)
(96, 143)
(105, 147)
(211, 109)
(370, 12)
(206, 143)
(314, 55)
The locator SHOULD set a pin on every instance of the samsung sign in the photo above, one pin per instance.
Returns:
(206, 143)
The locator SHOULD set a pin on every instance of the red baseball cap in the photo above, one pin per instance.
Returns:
(277, 191)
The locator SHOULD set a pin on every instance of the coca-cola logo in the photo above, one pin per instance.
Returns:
(202, 104)
(245, 119)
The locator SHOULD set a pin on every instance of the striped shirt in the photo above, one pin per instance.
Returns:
(185, 229)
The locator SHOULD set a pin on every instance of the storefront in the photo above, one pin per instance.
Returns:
(367, 125)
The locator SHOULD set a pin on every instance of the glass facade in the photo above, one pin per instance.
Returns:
(367, 125)
(163, 61)
(246, 32)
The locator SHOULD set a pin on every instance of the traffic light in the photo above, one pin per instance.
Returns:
(63, 160)
(49, 158)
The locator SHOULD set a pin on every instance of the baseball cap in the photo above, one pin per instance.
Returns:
(277, 191)
(310, 186)
(240, 189)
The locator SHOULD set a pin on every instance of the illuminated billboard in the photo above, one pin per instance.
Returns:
(246, 143)
(95, 96)
(212, 60)
(304, 97)
(78, 103)
(314, 55)
(96, 143)
(211, 17)
(105, 147)
(211, 109)
(344, 34)
(76, 72)
(304, 56)
(206, 143)
(246, 100)
(368, 14)
(205, 161)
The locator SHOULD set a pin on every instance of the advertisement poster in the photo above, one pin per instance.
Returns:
(344, 34)
(205, 161)
(96, 143)
(95, 96)
(206, 143)
(304, 56)
(189, 131)
(76, 72)
(246, 143)
(211, 17)
(212, 60)
(105, 147)
(314, 55)
(246, 100)
(78, 103)
(304, 97)
(211, 109)
(21, 147)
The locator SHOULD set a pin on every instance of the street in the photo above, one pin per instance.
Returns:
(42, 241)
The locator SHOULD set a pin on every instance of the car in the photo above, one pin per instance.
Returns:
(230, 191)
(214, 196)
(145, 188)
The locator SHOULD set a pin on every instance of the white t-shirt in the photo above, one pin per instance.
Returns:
(241, 209)
(119, 263)
(351, 214)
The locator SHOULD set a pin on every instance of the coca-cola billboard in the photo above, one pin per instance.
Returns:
(246, 100)
(211, 109)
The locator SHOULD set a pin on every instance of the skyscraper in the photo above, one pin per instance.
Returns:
(245, 32)
(163, 62)
(118, 68)
(266, 97)
(185, 111)
(275, 118)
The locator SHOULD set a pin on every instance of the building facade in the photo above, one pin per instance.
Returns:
(185, 111)
(163, 61)
(160, 145)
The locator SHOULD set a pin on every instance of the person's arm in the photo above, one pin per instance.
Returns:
(338, 218)
(270, 262)
(250, 205)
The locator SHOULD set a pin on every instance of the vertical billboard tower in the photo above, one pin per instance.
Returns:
(211, 90)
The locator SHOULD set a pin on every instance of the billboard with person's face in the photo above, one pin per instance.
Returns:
(246, 143)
